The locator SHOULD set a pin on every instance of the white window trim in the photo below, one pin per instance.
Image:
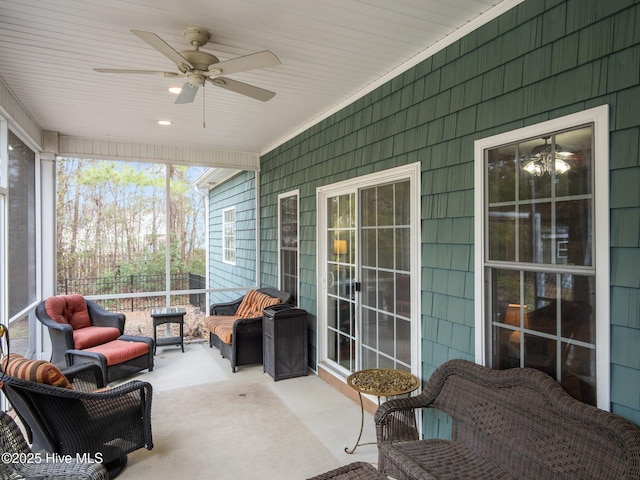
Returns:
(224, 224)
(406, 172)
(293, 193)
(599, 116)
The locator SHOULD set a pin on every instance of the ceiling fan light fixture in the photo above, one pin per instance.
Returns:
(165, 122)
(545, 159)
(175, 90)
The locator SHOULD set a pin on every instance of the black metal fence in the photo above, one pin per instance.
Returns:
(137, 284)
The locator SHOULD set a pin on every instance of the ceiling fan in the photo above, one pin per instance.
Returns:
(199, 67)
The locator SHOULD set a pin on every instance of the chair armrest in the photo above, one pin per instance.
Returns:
(62, 330)
(395, 420)
(104, 318)
(85, 377)
(247, 324)
(225, 308)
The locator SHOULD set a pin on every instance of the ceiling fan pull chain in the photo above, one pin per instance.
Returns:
(203, 102)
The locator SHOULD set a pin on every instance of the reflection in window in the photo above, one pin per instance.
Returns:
(539, 258)
(288, 215)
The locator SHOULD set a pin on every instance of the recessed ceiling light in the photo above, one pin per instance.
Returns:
(175, 90)
(165, 122)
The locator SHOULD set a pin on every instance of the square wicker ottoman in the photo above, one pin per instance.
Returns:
(353, 471)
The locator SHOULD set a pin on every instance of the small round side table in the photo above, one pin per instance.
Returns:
(381, 382)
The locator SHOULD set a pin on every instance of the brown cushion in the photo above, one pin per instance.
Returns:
(222, 326)
(119, 351)
(71, 309)
(91, 336)
(34, 370)
(253, 303)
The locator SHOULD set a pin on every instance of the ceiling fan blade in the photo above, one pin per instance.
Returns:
(247, 62)
(187, 94)
(242, 88)
(150, 72)
(163, 47)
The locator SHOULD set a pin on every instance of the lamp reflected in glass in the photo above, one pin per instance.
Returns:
(512, 317)
(340, 247)
(546, 159)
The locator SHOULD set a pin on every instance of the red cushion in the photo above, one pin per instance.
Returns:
(88, 337)
(71, 309)
(118, 351)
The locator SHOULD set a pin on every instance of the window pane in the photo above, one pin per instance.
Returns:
(385, 204)
(403, 203)
(386, 256)
(403, 249)
(368, 250)
(288, 215)
(229, 235)
(21, 225)
(579, 372)
(577, 145)
(501, 174)
(289, 221)
(386, 338)
(573, 226)
(502, 234)
(403, 295)
(403, 341)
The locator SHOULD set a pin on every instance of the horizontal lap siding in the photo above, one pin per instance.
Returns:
(238, 192)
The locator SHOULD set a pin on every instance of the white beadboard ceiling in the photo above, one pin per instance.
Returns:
(331, 51)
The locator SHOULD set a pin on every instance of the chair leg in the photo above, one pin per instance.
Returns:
(115, 467)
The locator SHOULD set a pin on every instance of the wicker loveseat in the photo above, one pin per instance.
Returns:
(235, 327)
(508, 424)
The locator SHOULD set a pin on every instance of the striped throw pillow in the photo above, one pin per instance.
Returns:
(253, 303)
(34, 370)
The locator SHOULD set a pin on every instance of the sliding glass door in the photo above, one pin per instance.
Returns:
(368, 257)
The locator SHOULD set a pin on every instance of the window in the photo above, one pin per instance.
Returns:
(288, 243)
(543, 206)
(229, 235)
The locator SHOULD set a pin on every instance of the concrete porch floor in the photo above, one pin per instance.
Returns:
(297, 428)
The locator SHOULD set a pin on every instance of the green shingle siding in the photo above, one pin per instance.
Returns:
(625, 384)
(627, 191)
(624, 149)
(626, 341)
(624, 267)
(625, 228)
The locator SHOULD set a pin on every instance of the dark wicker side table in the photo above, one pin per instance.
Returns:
(166, 316)
(381, 382)
(353, 471)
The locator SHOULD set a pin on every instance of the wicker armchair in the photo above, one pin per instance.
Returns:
(20, 462)
(81, 331)
(102, 425)
(246, 345)
(62, 336)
